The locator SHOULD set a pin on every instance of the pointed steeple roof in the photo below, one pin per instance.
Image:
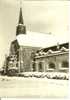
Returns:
(21, 28)
(20, 17)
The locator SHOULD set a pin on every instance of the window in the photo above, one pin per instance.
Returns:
(51, 65)
(65, 64)
(34, 67)
(40, 67)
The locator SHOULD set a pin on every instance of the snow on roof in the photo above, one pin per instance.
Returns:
(39, 39)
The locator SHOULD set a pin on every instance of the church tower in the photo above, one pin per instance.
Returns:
(21, 28)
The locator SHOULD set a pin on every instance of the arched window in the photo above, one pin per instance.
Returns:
(51, 65)
(65, 64)
(40, 67)
(34, 67)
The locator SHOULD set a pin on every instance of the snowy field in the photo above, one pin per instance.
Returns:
(32, 87)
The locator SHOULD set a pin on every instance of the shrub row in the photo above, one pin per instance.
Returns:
(65, 77)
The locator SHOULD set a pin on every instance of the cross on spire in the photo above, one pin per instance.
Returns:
(20, 3)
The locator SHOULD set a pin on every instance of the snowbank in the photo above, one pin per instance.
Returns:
(49, 75)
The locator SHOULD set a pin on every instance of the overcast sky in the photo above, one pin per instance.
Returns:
(39, 16)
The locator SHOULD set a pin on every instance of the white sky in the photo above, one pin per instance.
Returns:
(39, 16)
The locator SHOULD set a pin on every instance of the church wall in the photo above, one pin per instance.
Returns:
(26, 57)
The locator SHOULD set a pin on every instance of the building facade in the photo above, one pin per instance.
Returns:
(52, 59)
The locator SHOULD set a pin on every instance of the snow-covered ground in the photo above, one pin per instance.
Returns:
(32, 87)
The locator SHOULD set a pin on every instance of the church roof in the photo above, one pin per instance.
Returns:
(36, 39)
(54, 48)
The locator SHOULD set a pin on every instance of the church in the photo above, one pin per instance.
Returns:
(21, 55)
(27, 55)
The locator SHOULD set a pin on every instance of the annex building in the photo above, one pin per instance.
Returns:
(52, 59)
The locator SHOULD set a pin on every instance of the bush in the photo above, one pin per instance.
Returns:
(12, 72)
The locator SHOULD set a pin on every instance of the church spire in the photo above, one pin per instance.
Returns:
(20, 14)
(20, 17)
(21, 28)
